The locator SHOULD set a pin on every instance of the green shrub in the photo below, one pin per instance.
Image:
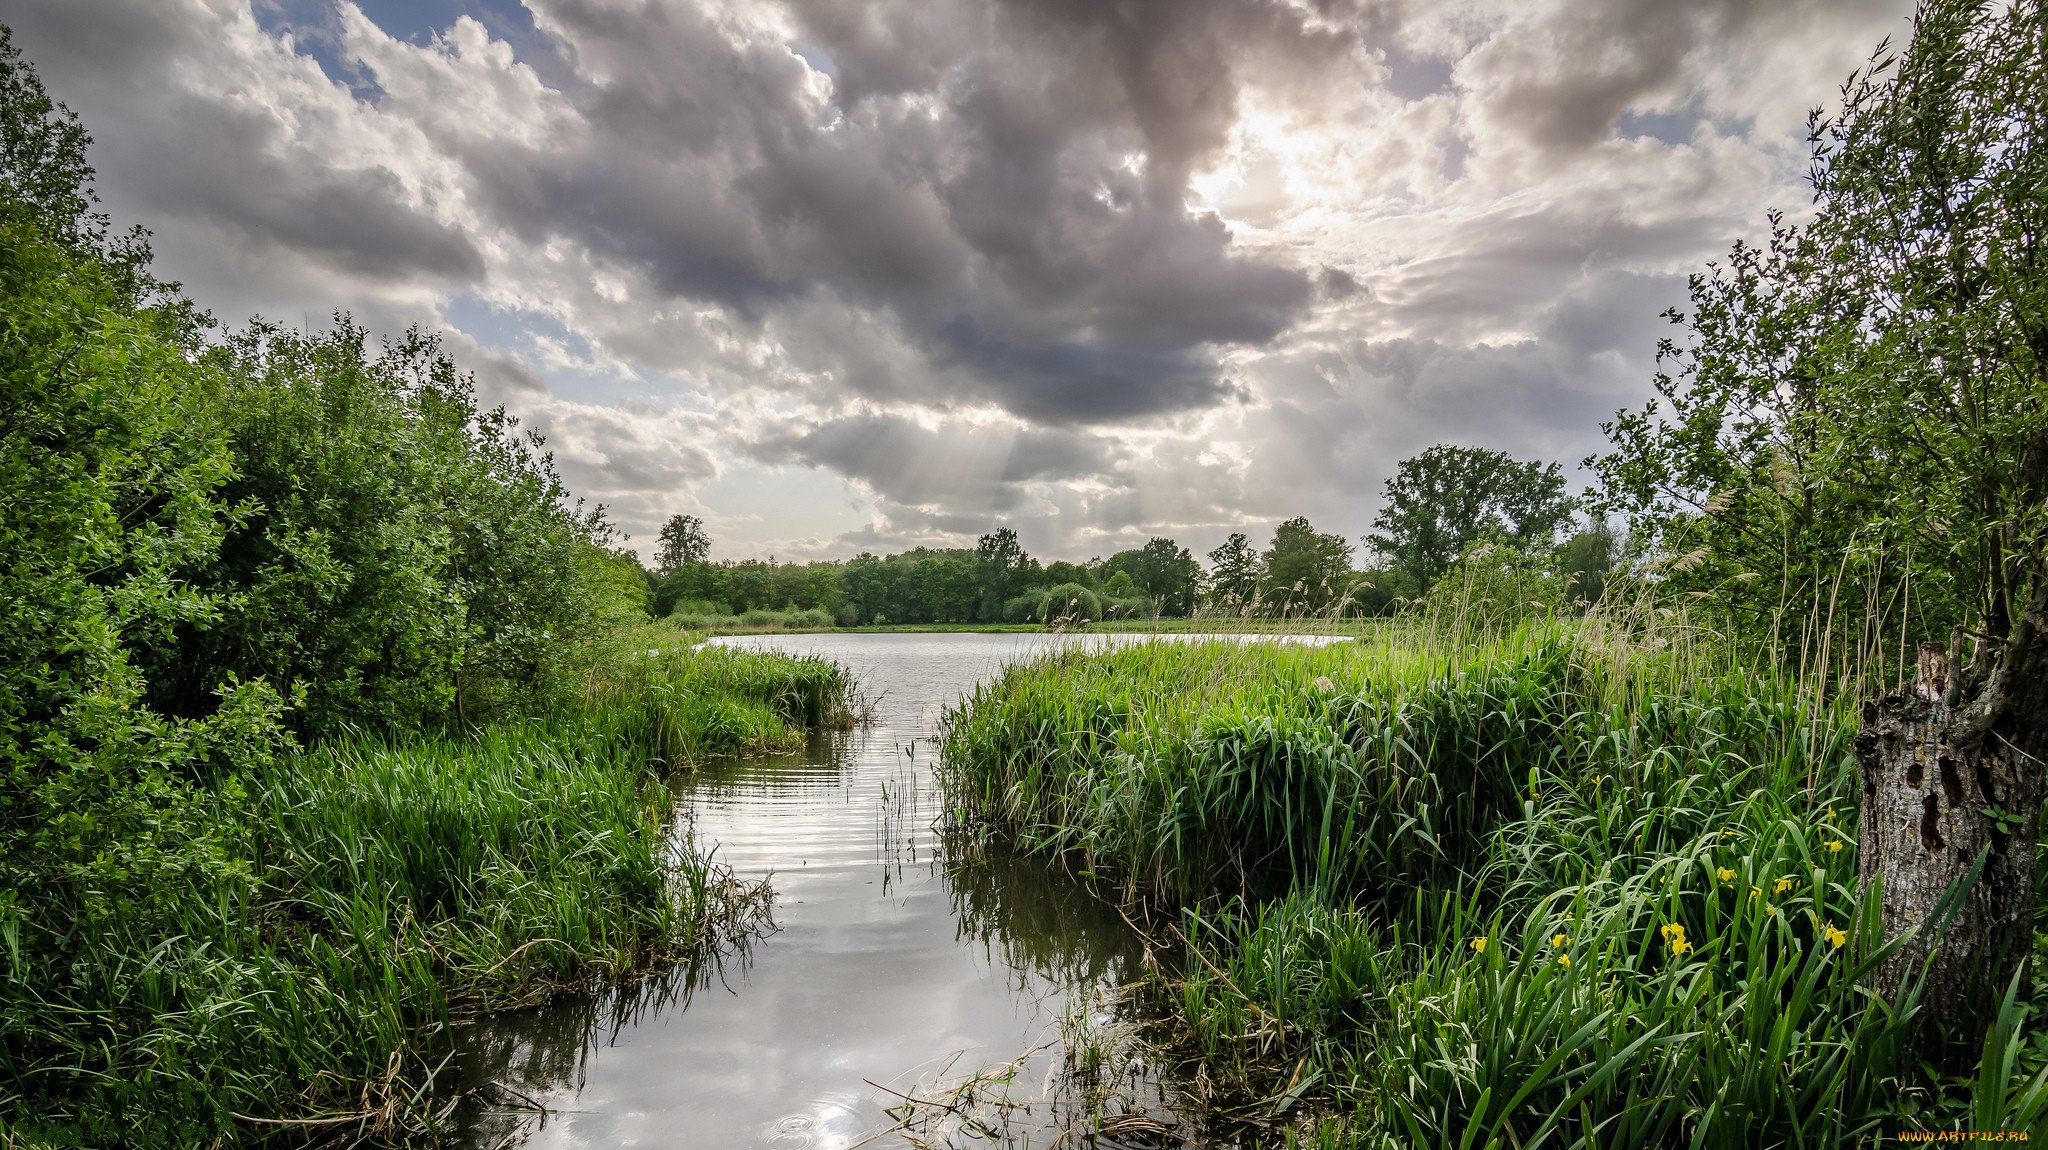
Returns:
(1556, 888)
(1026, 608)
(1070, 601)
(325, 920)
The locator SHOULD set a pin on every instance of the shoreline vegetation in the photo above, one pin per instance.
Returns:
(328, 718)
(792, 624)
(366, 896)
(1582, 882)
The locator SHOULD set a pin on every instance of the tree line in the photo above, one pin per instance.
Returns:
(1444, 509)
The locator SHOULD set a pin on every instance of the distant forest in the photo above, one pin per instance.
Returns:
(1521, 527)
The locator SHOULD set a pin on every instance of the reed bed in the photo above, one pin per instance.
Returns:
(371, 894)
(1574, 884)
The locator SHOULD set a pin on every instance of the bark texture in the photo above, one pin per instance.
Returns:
(1950, 774)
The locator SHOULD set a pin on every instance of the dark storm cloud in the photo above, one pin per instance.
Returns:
(978, 468)
(992, 207)
(353, 221)
(232, 167)
(1563, 85)
(833, 234)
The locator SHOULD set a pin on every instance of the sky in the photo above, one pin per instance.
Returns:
(860, 275)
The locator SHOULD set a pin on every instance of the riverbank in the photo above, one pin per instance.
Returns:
(1567, 885)
(1200, 625)
(904, 960)
(354, 903)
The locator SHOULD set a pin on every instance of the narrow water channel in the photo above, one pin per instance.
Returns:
(892, 965)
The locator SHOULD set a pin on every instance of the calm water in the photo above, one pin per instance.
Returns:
(892, 962)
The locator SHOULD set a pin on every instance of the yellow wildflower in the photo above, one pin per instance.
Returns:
(1784, 884)
(1479, 944)
(1673, 930)
(1834, 846)
(1835, 935)
(1725, 874)
(1679, 945)
(1753, 892)
(1559, 939)
(1564, 960)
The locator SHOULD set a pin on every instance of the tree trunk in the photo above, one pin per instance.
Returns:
(1947, 779)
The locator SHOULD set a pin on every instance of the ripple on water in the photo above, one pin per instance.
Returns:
(832, 1122)
(893, 950)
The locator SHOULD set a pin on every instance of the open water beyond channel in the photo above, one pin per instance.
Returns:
(893, 968)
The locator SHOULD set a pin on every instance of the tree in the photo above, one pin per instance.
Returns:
(944, 587)
(1234, 574)
(1163, 570)
(864, 581)
(682, 542)
(1860, 416)
(47, 185)
(1306, 570)
(1441, 502)
(1587, 559)
(998, 558)
(1059, 571)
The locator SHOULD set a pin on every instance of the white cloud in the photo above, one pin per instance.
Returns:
(970, 261)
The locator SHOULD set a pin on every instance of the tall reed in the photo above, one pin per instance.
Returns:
(1579, 883)
(360, 899)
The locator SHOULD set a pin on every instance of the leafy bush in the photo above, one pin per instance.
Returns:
(1129, 607)
(1026, 608)
(1447, 889)
(1070, 600)
(199, 545)
(401, 557)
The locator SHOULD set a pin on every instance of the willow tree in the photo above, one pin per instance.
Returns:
(1855, 436)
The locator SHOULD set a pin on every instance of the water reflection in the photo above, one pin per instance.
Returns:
(1032, 921)
(899, 957)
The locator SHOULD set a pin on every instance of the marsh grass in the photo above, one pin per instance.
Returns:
(1573, 883)
(371, 894)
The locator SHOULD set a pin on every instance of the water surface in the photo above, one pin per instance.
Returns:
(893, 962)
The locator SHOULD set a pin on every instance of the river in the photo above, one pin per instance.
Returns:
(893, 966)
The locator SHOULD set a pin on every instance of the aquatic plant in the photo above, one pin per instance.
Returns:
(1583, 884)
(298, 972)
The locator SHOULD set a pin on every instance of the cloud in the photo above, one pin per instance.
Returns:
(981, 467)
(1099, 271)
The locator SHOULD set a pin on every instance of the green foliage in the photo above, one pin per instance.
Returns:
(1025, 608)
(341, 908)
(47, 185)
(1069, 601)
(1235, 574)
(682, 541)
(1855, 424)
(1492, 587)
(1003, 568)
(749, 585)
(616, 584)
(1588, 560)
(1161, 570)
(1306, 570)
(1344, 826)
(405, 558)
(1443, 501)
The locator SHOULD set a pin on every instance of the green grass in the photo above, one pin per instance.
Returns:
(1563, 888)
(806, 622)
(361, 898)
